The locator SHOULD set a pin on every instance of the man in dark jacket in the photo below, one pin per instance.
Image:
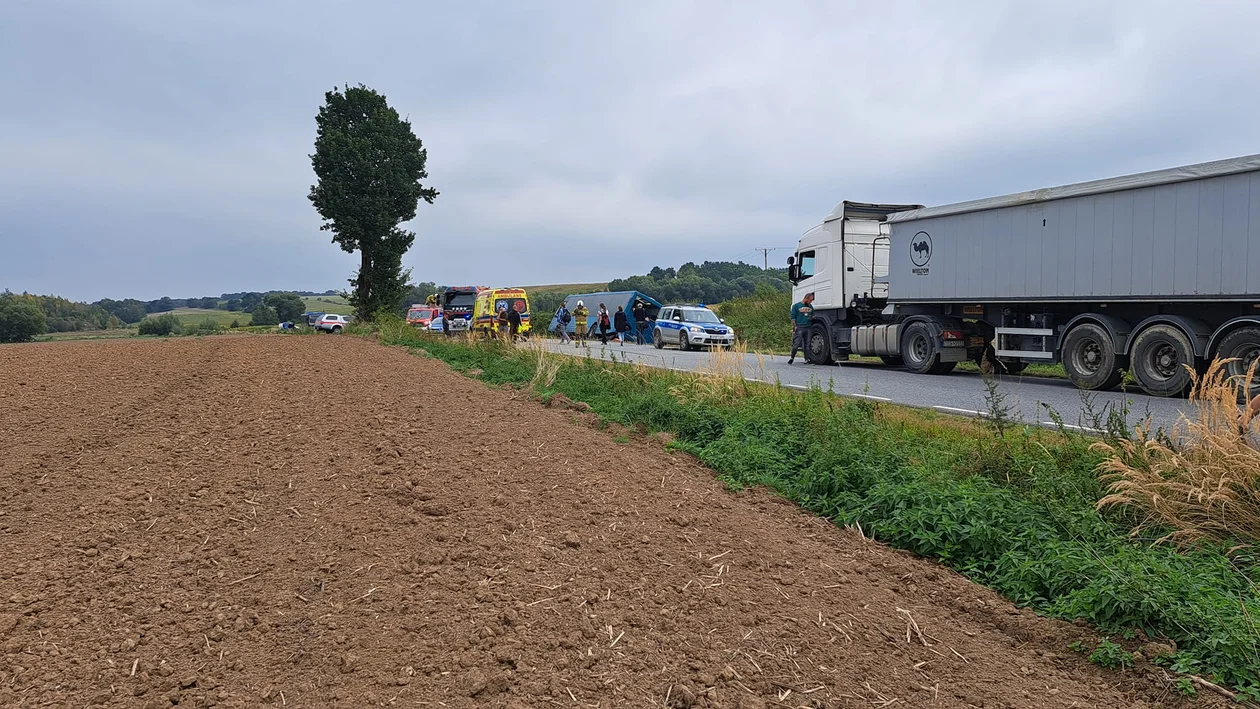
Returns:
(640, 322)
(514, 324)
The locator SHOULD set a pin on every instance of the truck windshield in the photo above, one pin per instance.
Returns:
(460, 300)
(419, 314)
(700, 316)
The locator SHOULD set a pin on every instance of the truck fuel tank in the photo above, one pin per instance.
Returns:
(875, 340)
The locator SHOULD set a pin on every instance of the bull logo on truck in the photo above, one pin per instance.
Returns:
(921, 249)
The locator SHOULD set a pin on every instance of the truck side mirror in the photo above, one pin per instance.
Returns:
(791, 260)
(794, 273)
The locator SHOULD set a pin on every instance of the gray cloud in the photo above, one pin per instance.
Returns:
(150, 148)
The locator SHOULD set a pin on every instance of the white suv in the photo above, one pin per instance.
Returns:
(329, 322)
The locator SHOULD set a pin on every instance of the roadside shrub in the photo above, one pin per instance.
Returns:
(761, 320)
(21, 319)
(162, 325)
(1207, 487)
(264, 315)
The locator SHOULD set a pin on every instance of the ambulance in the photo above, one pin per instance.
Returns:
(486, 309)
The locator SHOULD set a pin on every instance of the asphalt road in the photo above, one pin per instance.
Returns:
(960, 393)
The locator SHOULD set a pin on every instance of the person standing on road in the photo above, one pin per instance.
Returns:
(580, 316)
(502, 321)
(640, 322)
(514, 323)
(621, 324)
(563, 318)
(800, 324)
(603, 323)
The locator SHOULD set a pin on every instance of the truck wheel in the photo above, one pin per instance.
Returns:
(1160, 356)
(1089, 358)
(1243, 346)
(891, 361)
(817, 348)
(918, 349)
(657, 342)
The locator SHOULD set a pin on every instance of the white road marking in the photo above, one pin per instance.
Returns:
(1052, 424)
(968, 412)
(871, 396)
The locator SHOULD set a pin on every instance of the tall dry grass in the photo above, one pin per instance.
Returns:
(1203, 483)
(546, 365)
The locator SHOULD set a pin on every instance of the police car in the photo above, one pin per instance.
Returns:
(690, 326)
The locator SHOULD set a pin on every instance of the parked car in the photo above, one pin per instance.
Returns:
(435, 325)
(690, 326)
(331, 322)
(421, 316)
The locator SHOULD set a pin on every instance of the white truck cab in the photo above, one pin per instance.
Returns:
(844, 260)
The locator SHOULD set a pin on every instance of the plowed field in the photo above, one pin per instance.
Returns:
(323, 521)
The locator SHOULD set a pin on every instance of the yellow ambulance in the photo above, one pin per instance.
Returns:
(486, 309)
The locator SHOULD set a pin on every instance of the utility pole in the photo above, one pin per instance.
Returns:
(765, 255)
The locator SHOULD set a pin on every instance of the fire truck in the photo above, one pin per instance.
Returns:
(457, 308)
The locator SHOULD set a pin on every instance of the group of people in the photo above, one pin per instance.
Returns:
(614, 325)
(508, 322)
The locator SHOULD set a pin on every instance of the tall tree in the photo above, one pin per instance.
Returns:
(21, 318)
(288, 306)
(369, 164)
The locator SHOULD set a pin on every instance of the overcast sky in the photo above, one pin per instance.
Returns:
(160, 147)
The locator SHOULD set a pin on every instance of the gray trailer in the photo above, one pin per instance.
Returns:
(1150, 273)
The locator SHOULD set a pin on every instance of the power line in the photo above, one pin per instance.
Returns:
(765, 254)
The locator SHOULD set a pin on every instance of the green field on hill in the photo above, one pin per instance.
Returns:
(327, 304)
(195, 316)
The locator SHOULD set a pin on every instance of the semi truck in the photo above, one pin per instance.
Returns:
(1155, 274)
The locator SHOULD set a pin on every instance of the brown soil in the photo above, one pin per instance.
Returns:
(322, 521)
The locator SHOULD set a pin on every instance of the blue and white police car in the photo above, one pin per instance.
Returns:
(690, 326)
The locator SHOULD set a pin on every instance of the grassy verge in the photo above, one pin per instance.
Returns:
(1010, 507)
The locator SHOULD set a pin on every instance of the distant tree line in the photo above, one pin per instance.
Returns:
(23, 316)
(710, 282)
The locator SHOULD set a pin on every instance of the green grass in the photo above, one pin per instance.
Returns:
(761, 321)
(196, 316)
(327, 304)
(1013, 509)
(87, 335)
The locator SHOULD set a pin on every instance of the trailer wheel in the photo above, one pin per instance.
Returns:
(919, 350)
(1089, 358)
(817, 348)
(1160, 356)
(1242, 346)
(891, 361)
